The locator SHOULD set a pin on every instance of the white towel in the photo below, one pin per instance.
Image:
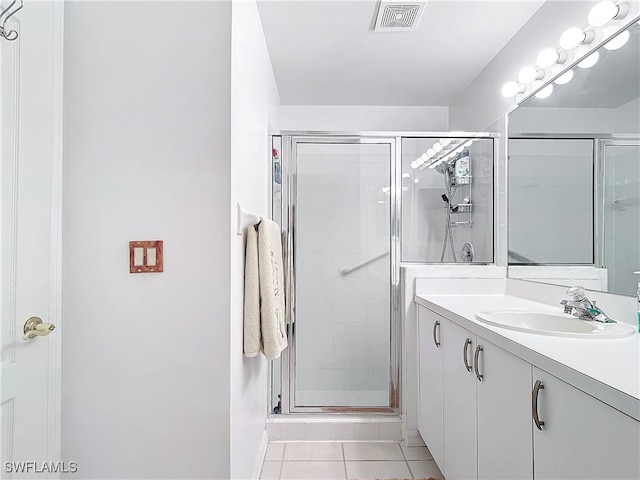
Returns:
(252, 342)
(264, 292)
(271, 273)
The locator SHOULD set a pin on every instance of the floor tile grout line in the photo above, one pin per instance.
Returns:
(406, 461)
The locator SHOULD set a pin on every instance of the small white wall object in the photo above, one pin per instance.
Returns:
(246, 219)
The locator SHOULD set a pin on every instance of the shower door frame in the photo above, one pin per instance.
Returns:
(288, 160)
(600, 145)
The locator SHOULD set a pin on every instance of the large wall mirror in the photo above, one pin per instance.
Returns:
(574, 174)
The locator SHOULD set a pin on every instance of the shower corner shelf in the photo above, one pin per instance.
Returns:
(466, 180)
(462, 224)
(464, 207)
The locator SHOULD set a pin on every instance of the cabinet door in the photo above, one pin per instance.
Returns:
(582, 438)
(430, 382)
(504, 415)
(460, 450)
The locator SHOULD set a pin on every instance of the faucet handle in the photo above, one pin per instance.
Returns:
(577, 293)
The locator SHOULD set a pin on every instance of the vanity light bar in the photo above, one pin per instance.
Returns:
(600, 15)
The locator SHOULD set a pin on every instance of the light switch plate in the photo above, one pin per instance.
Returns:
(146, 256)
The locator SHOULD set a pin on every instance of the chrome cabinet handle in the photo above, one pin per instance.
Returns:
(465, 354)
(534, 404)
(479, 376)
(436, 326)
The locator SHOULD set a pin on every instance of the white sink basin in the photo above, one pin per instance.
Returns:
(556, 324)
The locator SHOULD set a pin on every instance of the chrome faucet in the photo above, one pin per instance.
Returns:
(582, 307)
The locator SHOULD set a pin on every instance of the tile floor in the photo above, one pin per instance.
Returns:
(346, 461)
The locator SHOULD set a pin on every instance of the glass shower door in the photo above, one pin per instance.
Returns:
(341, 223)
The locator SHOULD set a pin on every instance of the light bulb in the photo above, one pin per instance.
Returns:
(405, 189)
(406, 175)
(468, 143)
(602, 13)
(425, 157)
(445, 141)
(547, 58)
(572, 37)
(529, 74)
(414, 164)
(416, 180)
(385, 189)
(437, 147)
(431, 153)
(564, 78)
(617, 42)
(511, 89)
(545, 92)
(590, 61)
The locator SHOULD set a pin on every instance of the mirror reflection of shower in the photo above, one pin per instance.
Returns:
(454, 176)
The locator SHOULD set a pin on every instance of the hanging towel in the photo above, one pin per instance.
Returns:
(252, 342)
(271, 274)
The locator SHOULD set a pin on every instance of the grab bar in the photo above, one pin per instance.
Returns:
(347, 271)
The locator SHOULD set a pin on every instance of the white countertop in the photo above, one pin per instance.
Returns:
(608, 369)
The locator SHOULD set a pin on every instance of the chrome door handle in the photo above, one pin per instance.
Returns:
(476, 357)
(34, 327)
(436, 326)
(465, 354)
(534, 404)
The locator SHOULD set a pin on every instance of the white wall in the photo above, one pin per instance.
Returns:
(482, 102)
(254, 115)
(562, 120)
(146, 156)
(627, 117)
(363, 118)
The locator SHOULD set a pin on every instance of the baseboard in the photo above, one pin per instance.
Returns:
(263, 452)
(414, 439)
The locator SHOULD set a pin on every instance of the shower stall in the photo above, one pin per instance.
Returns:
(354, 209)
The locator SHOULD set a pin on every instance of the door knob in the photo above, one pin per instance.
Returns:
(34, 327)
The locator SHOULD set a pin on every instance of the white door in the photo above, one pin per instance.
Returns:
(580, 437)
(31, 127)
(460, 428)
(504, 416)
(430, 406)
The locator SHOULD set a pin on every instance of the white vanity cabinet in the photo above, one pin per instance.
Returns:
(459, 392)
(580, 437)
(504, 414)
(430, 382)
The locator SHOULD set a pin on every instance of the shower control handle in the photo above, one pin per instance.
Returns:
(436, 333)
(476, 362)
(465, 354)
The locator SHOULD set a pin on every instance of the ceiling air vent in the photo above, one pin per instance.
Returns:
(398, 17)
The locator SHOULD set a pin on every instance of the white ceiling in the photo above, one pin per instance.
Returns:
(326, 53)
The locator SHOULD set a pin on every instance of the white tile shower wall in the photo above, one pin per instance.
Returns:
(622, 221)
(335, 427)
(343, 322)
(450, 279)
(550, 200)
